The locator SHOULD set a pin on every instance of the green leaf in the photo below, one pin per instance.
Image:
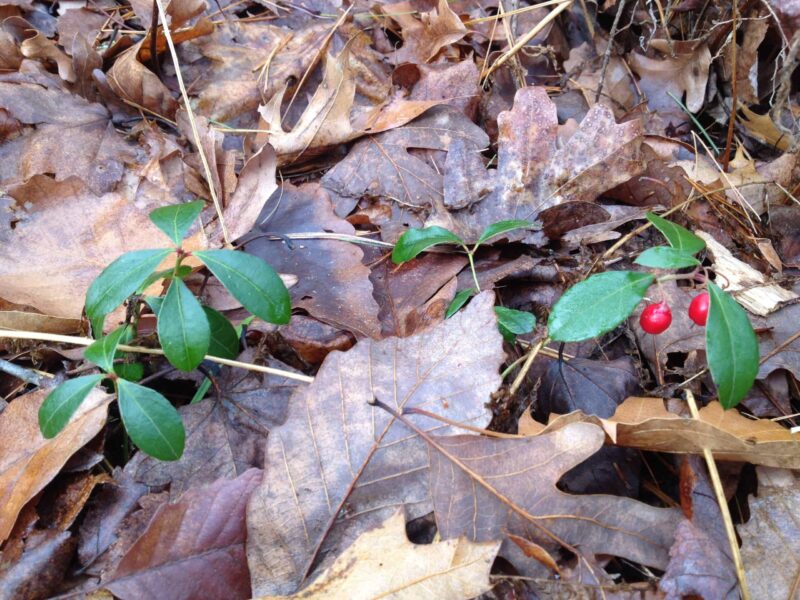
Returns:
(120, 279)
(414, 241)
(252, 282)
(459, 301)
(183, 327)
(176, 219)
(181, 272)
(224, 340)
(102, 352)
(503, 227)
(132, 371)
(731, 347)
(201, 391)
(678, 237)
(597, 305)
(514, 322)
(152, 422)
(62, 403)
(154, 302)
(666, 257)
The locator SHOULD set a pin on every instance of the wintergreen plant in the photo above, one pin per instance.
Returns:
(603, 301)
(187, 331)
(511, 322)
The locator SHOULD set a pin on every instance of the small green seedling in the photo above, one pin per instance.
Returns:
(511, 322)
(187, 331)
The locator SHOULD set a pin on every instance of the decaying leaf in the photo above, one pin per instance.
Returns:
(474, 498)
(191, 548)
(383, 563)
(27, 460)
(332, 283)
(336, 454)
(535, 173)
(425, 34)
(771, 538)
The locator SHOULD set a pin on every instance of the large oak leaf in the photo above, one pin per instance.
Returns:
(339, 465)
(525, 471)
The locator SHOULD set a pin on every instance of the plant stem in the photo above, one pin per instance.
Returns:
(472, 267)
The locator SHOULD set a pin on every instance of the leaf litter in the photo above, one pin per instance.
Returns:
(329, 131)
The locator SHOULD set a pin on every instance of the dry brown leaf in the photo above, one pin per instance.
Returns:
(30, 321)
(139, 86)
(683, 75)
(342, 461)
(535, 172)
(771, 538)
(27, 460)
(254, 186)
(42, 48)
(333, 285)
(383, 563)
(386, 166)
(763, 128)
(426, 34)
(193, 548)
(71, 137)
(327, 120)
(66, 235)
(524, 471)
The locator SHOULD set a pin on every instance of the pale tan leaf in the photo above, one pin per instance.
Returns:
(383, 563)
(28, 461)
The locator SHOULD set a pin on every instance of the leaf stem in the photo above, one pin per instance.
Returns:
(472, 267)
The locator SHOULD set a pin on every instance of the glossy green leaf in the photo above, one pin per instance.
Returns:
(666, 257)
(503, 227)
(102, 352)
(176, 219)
(224, 340)
(597, 305)
(459, 301)
(731, 347)
(182, 272)
(678, 237)
(414, 241)
(514, 322)
(63, 401)
(132, 371)
(252, 282)
(201, 391)
(120, 279)
(152, 422)
(154, 302)
(183, 327)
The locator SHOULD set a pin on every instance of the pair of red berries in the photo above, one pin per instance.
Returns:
(656, 318)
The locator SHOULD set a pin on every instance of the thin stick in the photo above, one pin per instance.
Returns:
(527, 366)
(82, 341)
(527, 38)
(510, 13)
(607, 53)
(732, 119)
(22, 373)
(209, 178)
(723, 506)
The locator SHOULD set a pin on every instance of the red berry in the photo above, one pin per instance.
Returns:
(698, 309)
(656, 318)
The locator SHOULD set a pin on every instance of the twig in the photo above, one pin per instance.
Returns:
(154, 41)
(732, 118)
(190, 113)
(527, 366)
(607, 53)
(22, 373)
(82, 341)
(527, 38)
(723, 506)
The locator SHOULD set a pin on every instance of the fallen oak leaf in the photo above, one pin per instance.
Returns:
(483, 487)
(339, 465)
(382, 562)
